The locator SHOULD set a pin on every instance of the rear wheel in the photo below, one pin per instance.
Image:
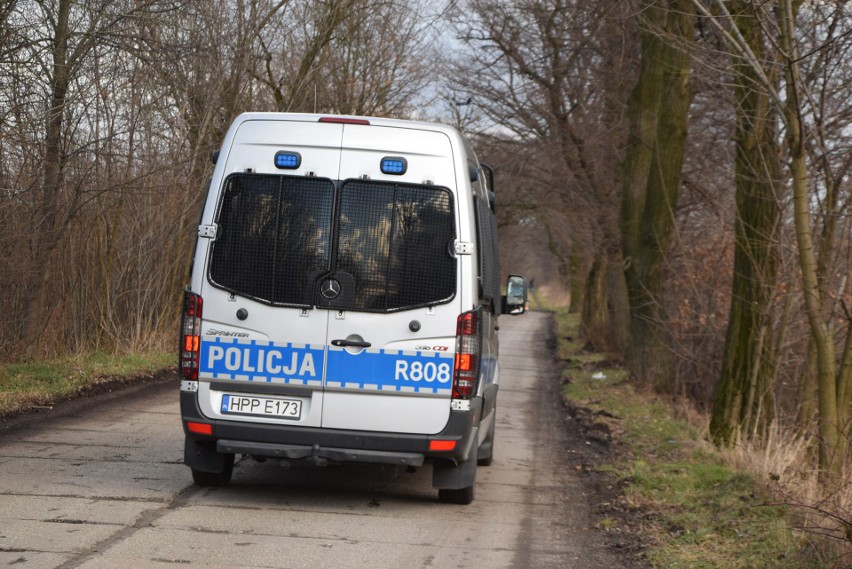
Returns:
(462, 496)
(202, 478)
(455, 482)
(486, 449)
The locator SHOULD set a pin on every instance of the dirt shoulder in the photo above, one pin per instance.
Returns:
(589, 447)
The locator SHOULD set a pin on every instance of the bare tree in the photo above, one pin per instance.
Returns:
(65, 37)
(380, 62)
(832, 442)
(744, 399)
(344, 56)
(548, 76)
(659, 113)
(292, 55)
(801, 118)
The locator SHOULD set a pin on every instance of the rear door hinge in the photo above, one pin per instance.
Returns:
(208, 231)
(464, 248)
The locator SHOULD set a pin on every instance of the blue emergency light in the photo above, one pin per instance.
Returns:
(288, 160)
(394, 165)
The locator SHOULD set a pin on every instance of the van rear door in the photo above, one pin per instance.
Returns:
(391, 332)
(263, 343)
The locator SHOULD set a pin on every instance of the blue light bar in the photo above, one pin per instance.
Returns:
(288, 160)
(394, 165)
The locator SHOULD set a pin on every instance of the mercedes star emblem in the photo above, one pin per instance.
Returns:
(330, 289)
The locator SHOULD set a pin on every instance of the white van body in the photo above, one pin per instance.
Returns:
(335, 261)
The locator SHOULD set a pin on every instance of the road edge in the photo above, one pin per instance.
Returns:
(105, 391)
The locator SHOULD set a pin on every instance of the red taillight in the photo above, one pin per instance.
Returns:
(190, 334)
(466, 373)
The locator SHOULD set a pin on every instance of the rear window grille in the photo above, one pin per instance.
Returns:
(274, 237)
(395, 241)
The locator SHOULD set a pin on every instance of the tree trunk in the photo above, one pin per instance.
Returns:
(658, 114)
(832, 444)
(48, 226)
(594, 318)
(844, 389)
(807, 394)
(576, 278)
(743, 400)
(604, 312)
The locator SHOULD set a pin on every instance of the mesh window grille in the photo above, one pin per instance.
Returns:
(274, 237)
(395, 241)
(274, 242)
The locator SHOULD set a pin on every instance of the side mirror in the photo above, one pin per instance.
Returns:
(515, 301)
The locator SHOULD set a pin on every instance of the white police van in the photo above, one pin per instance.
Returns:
(344, 300)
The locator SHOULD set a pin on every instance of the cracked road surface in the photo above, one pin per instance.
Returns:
(103, 486)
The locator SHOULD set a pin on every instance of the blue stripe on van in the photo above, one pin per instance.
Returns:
(229, 358)
(391, 370)
(374, 370)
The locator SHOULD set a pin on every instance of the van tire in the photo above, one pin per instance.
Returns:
(202, 478)
(455, 482)
(463, 496)
(485, 456)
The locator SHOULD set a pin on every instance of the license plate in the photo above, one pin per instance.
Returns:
(263, 406)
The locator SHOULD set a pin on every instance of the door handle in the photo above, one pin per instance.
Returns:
(351, 343)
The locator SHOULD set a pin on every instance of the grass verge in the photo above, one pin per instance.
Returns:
(691, 509)
(25, 386)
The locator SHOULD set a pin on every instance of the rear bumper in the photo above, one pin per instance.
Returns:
(317, 453)
(294, 443)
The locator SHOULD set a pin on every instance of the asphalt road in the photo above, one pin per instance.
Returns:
(104, 487)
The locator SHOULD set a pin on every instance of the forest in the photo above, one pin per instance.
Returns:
(678, 171)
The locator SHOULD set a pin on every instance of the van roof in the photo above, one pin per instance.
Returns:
(377, 121)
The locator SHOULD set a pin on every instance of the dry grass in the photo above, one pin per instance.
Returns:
(780, 453)
(821, 509)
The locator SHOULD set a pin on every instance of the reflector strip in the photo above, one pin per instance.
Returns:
(442, 445)
(199, 428)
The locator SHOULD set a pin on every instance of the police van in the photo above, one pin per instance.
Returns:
(343, 303)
